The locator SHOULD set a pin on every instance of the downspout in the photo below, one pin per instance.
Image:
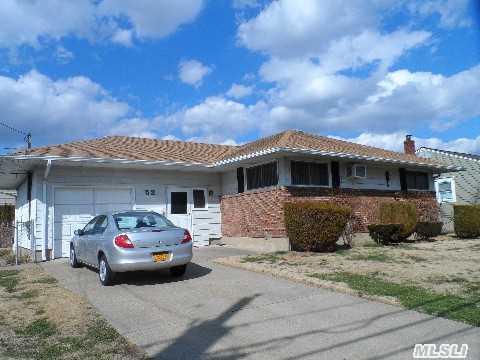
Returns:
(45, 210)
(31, 229)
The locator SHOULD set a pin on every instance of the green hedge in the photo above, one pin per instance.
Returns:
(399, 212)
(426, 230)
(315, 226)
(386, 234)
(7, 214)
(467, 220)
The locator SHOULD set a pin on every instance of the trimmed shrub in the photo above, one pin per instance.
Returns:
(397, 212)
(315, 226)
(467, 220)
(386, 233)
(7, 214)
(427, 230)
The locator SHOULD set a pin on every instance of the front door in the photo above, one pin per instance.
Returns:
(179, 207)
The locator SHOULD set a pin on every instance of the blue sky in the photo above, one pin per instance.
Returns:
(232, 71)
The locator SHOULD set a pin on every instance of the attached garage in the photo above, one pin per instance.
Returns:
(75, 206)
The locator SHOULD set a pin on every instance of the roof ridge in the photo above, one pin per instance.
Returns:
(169, 140)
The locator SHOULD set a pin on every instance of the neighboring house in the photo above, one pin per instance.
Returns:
(7, 197)
(213, 190)
(461, 187)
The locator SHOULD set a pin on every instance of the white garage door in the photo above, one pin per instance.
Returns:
(74, 207)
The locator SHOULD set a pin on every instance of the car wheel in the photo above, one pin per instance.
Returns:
(74, 263)
(105, 274)
(178, 271)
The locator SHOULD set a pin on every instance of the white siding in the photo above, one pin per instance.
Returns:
(206, 222)
(229, 182)
(21, 215)
(375, 180)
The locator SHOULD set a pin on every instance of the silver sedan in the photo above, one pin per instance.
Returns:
(129, 241)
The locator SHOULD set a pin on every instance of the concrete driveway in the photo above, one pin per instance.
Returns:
(217, 312)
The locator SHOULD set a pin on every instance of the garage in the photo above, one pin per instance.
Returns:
(75, 206)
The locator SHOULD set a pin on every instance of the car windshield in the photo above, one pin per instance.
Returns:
(138, 220)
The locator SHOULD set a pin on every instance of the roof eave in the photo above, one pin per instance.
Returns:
(98, 160)
(439, 168)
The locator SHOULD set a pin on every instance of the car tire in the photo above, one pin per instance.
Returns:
(74, 263)
(178, 271)
(105, 274)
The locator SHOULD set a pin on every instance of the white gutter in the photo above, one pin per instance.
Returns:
(106, 160)
(240, 158)
(334, 154)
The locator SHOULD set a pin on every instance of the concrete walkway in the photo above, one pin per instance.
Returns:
(217, 312)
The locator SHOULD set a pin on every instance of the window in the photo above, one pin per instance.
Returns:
(240, 180)
(137, 220)
(262, 176)
(199, 201)
(445, 189)
(309, 173)
(178, 202)
(88, 229)
(100, 225)
(417, 180)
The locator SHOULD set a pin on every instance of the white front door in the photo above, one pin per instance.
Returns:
(179, 207)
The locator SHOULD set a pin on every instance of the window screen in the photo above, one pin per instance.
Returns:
(178, 202)
(417, 180)
(262, 176)
(309, 173)
(199, 199)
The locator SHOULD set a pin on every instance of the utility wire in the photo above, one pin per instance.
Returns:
(28, 135)
(21, 132)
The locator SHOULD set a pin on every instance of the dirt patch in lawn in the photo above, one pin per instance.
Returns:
(446, 267)
(41, 320)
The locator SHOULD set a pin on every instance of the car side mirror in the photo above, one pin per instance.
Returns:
(78, 232)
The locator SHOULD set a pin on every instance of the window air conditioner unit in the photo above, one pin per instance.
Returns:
(357, 171)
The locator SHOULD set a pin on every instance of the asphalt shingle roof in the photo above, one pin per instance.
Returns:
(132, 148)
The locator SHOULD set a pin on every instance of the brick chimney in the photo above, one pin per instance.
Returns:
(409, 145)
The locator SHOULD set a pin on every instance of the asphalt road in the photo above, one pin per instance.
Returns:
(218, 312)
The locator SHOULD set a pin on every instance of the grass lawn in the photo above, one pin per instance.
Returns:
(440, 278)
(41, 320)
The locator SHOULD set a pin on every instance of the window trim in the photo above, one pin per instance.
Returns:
(329, 172)
(266, 162)
(205, 193)
(451, 180)
(429, 178)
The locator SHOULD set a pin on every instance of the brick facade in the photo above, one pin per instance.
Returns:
(260, 213)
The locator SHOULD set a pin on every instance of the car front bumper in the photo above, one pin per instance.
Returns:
(142, 259)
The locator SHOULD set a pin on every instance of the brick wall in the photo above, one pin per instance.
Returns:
(260, 213)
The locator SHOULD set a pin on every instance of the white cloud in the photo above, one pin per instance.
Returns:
(394, 141)
(217, 116)
(28, 22)
(136, 127)
(63, 55)
(192, 72)
(153, 18)
(58, 110)
(239, 91)
(36, 21)
(284, 28)
(242, 4)
(452, 13)
(123, 37)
